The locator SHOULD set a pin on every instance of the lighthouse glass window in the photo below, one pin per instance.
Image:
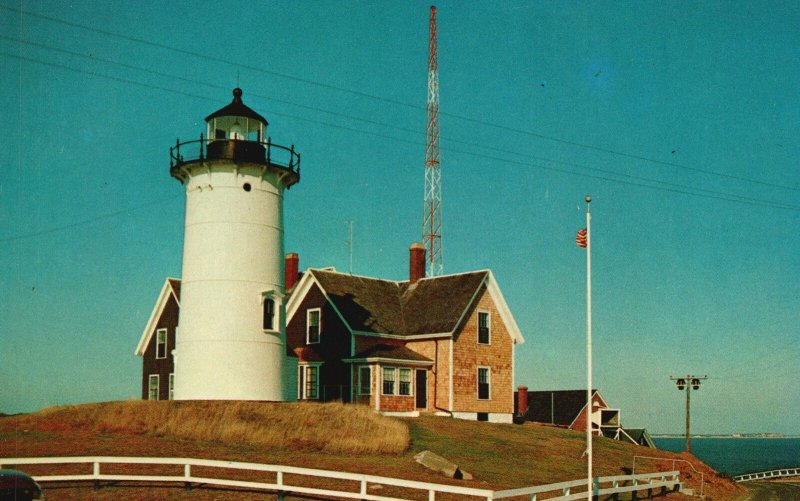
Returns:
(313, 326)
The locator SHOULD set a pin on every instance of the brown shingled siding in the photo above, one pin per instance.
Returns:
(468, 355)
(161, 366)
(437, 350)
(397, 403)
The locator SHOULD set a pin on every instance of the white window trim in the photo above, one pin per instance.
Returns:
(301, 388)
(489, 326)
(478, 382)
(150, 386)
(369, 368)
(166, 343)
(411, 378)
(171, 395)
(395, 380)
(308, 325)
(396, 387)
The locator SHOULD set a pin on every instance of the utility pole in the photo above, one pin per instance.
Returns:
(689, 383)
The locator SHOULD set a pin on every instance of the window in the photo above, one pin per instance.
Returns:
(313, 325)
(405, 381)
(308, 382)
(484, 382)
(161, 343)
(364, 380)
(268, 323)
(152, 387)
(388, 380)
(172, 386)
(484, 337)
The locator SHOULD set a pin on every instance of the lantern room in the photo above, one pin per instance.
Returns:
(235, 133)
(236, 121)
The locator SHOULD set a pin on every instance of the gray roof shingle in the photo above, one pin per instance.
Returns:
(431, 306)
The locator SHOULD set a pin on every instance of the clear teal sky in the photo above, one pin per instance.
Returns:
(680, 118)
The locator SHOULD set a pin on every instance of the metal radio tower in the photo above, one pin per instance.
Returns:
(432, 210)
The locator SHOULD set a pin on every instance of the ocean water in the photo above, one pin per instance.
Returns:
(736, 456)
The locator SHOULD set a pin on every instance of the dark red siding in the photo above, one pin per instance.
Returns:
(161, 366)
(334, 345)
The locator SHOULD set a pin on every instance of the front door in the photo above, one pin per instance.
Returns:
(422, 389)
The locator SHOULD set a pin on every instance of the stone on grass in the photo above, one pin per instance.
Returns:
(437, 463)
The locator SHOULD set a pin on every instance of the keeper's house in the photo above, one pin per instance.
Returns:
(442, 345)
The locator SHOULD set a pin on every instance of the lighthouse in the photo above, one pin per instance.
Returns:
(230, 340)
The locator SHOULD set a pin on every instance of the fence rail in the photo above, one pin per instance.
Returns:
(764, 475)
(618, 484)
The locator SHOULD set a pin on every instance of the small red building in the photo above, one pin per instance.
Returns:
(157, 342)
(567, 408)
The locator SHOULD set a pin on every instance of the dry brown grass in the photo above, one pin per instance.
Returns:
(331, 428)
(323, 436)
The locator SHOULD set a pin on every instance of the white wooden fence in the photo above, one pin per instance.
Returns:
(764, 475)
(663, 481)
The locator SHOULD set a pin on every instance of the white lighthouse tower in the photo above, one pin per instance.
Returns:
(231, 342)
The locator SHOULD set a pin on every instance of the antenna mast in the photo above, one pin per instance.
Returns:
(432, 201)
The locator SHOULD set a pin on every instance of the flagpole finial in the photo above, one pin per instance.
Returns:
(588, 199)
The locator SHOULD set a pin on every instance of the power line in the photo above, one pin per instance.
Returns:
(392, 101)
(671, 187)
(87, 221)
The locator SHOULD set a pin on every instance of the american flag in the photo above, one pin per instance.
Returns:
(580, 238)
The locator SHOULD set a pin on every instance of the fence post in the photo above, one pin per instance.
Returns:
(279, 481)
(431, 495)
(187, 473)
(96, 474)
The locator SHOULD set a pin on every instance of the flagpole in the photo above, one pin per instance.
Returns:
(589, 480)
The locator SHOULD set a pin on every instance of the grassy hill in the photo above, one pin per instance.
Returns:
(325, 436)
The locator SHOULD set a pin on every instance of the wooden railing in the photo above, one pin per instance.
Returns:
(359, 483)
(764, 475)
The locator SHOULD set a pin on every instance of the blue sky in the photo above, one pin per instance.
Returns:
(679, 118)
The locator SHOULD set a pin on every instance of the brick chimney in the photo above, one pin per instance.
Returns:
(522, 400)
(416, 262)
(292, 270)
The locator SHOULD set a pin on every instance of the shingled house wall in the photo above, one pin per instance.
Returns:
(437, 350)
(468, 355)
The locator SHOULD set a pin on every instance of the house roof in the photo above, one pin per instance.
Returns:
(171, 288)
(556, 407)
(431, 306)
(390, 352)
